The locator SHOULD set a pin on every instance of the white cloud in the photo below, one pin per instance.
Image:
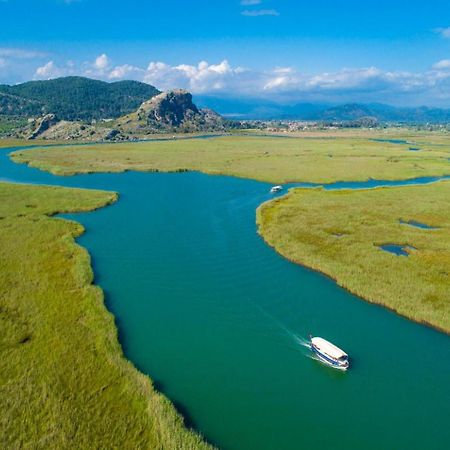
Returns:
(260, 12)
(442, 65)
(444, 32)
(366, 84)
(101, 62)
(48, 71)
(20, 53)
(345, 79)
(125, 71)
(201, 78)
(99, 68)
(363, 84)
(3, 62)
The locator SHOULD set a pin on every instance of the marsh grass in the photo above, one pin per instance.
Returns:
(63, 380)
(339, 233)
(321, 159)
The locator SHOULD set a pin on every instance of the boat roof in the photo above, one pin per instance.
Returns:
(328, 348)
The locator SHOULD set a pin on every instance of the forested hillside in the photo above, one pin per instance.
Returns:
(74, 98)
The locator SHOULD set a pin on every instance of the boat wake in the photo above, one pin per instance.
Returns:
(296, 342)
(301, 343)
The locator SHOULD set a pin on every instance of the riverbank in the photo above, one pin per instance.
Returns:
(271, 159)
(341, 234)
(177, 326)
(63, 379)
(389, 157)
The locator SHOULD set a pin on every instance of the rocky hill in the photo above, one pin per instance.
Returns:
(168, 112)
(171, 111)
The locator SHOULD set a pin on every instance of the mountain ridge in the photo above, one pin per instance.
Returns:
(77, 98)
(257, 109)
(74, 98)
(168, 112)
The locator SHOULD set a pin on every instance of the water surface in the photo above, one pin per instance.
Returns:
(391, 141)
(218, 320)
(416, 224)
(397, 249)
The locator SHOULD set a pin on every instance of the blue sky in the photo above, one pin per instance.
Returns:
(284, 50)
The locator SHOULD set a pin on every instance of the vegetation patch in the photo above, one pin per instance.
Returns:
(74, 98)
(303, 225)
(268, 159)
(63, 380)
(9, 124)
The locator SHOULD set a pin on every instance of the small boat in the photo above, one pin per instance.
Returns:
(329, 353)
(275, 189)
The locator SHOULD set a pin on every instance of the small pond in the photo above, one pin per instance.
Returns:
(416, 224)
(396, 249)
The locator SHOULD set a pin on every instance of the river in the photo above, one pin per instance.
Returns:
(219, 320)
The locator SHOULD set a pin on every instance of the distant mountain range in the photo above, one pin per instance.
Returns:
(79, 98)
(74, 98)
(255, 109)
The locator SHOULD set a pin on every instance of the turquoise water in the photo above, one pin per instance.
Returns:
(416, 224)
(396, 249)
(218, 320)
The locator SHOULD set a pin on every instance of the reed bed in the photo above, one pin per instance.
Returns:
(339, 233)
(64, 382)
(322, 159)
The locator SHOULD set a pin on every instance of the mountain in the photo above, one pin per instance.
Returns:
(171, 111)
(167, 112)
(255, 109)
(74, 98)
(347, 112)
(85, 99)
(383, 113)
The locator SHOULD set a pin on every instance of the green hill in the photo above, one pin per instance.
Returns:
(72, 98)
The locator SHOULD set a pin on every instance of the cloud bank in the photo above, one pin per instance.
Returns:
(367, 84)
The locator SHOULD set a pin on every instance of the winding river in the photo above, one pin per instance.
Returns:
(218, 320)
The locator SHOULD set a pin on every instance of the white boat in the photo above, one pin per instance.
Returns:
(329, 353)
(276, 189)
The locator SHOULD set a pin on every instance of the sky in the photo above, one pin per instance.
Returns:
(288, 51)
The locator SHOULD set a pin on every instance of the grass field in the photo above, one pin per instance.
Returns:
(277, 160)
(339, 233)
(4, 143)
(63, 380)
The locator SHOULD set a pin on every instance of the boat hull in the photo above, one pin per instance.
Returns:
(328, 360)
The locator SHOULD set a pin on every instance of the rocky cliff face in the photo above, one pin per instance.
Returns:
(66, 130)
(171, 111)
(43, 124)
